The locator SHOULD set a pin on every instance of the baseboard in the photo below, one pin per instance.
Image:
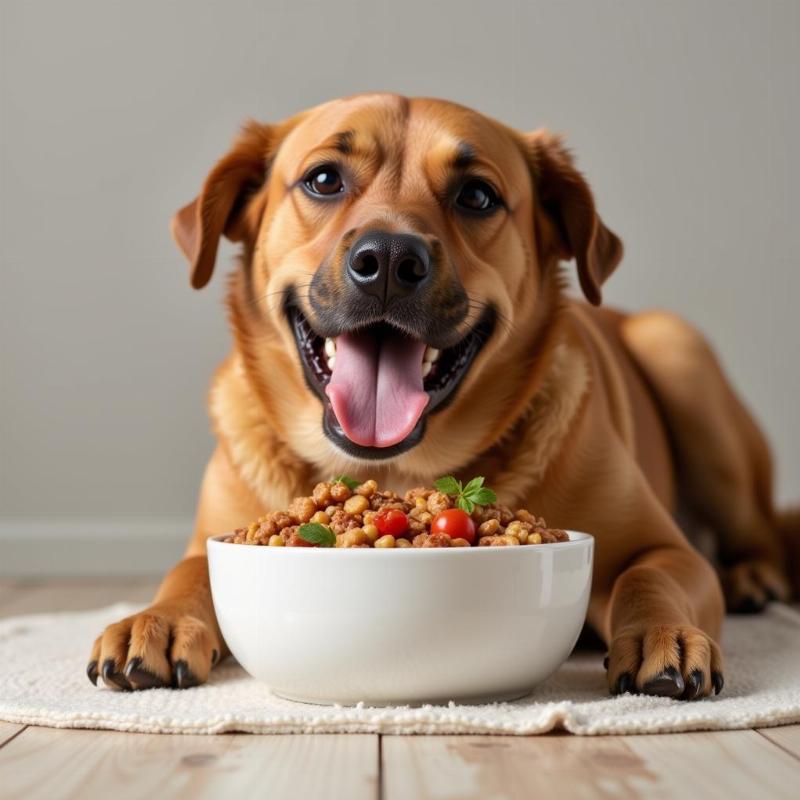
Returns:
(90, 547)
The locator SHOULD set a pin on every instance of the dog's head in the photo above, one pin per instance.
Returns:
(400, 259)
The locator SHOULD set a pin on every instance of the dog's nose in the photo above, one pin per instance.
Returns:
(388, 265)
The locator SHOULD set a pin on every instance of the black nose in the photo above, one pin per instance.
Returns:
(388, 265)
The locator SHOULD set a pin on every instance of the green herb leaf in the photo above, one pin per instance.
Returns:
(350, 483)
(465, 504)
(314, 533)
(473, 485)
(469, 496)
(448, 485)
(484, 496)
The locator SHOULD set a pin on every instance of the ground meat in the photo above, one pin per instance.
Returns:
(432, 540)
(437, 540)
(438, 501)
(340, 492)
(416, 526)
(322, 495)
(379, 500)
(302, 509)
(420, 491)
(503, 540)
(341, 521)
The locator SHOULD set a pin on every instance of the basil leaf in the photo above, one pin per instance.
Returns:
(484, 496)
(465, 504)
(448, 485)
(473, 485)
(314, 533)
(350, 483)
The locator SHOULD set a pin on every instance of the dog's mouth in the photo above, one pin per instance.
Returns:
(378, 384)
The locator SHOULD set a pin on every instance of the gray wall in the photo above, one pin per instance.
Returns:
(684, 115)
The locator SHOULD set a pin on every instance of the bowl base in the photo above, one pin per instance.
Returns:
(502, 697)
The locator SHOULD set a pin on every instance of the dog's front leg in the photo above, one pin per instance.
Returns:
(656, 602)
(173, 642)
(660, 621)
(176, 640)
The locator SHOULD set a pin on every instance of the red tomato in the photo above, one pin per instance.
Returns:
(457, 524)
(391, 520)
(295, 540)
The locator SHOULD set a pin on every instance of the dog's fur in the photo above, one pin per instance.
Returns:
(597, 420)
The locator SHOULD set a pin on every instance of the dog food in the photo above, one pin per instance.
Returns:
(344, 512)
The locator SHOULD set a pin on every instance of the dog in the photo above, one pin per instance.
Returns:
(390, 224)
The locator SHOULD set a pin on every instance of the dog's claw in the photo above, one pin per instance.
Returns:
(717, 681)
(91, 671)
(184, 677)
(668, 684)
(694, 685)
(214, 657)
(624, 683)
(142, 678)
(605, 662)
(110, 674)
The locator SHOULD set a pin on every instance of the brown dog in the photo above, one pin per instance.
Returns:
(388, 224)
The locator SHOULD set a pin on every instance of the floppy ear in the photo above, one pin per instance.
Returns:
(220, 207)
(564, 197)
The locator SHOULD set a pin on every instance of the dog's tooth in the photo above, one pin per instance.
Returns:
(426, 368)
(331, 362)
(431, 355)
(330, 348)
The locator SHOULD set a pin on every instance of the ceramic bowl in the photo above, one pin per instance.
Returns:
(401, 626)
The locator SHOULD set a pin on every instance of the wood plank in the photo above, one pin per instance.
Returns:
(786, 737)
(728, 764)
(33, 597)
(59, 764)
(731, 764)
(8, 730)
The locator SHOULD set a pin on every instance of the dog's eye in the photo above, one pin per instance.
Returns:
(477, 195)
(324, 181)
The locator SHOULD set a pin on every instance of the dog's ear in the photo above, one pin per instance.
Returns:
(571, 223)
(221, 207)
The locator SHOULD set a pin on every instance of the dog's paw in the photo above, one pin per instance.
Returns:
(750, 585)
(665, 660)
(160, 646)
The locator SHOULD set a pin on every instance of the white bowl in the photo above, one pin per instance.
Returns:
(403, 626)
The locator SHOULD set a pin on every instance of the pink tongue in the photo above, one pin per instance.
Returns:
(376, 387)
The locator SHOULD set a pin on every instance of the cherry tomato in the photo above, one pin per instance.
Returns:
(295, 540)
(457, 524)
(391, 520)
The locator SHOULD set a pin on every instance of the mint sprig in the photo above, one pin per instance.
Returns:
(315, 533)
(350, 483)
(469, 496)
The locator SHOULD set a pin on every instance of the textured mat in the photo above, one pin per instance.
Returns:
(42, 682)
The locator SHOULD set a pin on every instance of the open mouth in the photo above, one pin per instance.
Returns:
(378, 384)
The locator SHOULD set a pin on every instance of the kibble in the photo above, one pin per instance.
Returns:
(357, 504)
(340, 492)
(368, 488)
(372, 533)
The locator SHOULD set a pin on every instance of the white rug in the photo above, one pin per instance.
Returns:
(43, 682)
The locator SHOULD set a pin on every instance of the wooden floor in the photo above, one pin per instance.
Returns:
(52, 764)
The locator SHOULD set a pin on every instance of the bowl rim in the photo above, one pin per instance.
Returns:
(577, 540)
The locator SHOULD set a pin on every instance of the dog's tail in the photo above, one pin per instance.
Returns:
(788, 523)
